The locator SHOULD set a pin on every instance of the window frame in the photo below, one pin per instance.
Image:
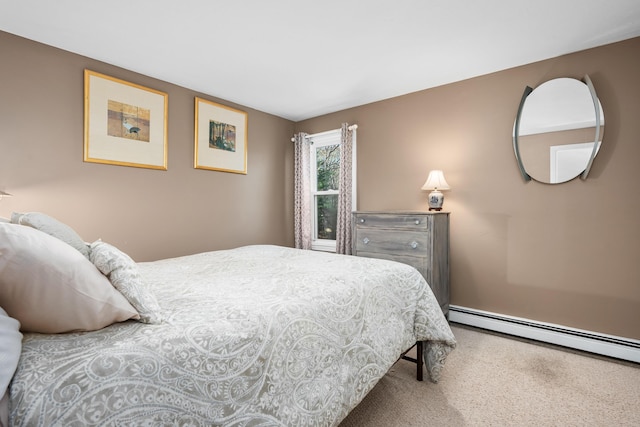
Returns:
(318, 140)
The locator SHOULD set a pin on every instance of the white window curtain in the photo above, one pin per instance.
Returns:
(301, 188)
(345, 194)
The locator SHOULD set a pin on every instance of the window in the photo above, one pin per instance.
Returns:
(325, 173)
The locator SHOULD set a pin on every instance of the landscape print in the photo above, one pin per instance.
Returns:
(128, 121)
(222, 136)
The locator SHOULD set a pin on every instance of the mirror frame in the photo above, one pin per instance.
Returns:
(516, 131)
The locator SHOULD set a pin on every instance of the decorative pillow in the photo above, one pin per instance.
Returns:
(49, 287)
(10, 349)
(52, 227)
(123, 273)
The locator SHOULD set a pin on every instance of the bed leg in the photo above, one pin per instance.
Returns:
(419, 360)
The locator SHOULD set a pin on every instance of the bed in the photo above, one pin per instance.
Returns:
(254, 336)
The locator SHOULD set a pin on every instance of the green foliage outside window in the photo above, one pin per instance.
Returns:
(328, 167)
(327, 216)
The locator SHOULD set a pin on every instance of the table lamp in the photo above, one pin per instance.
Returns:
(436, 182)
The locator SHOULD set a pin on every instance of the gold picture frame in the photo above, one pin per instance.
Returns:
(124, 123)
(220, 137)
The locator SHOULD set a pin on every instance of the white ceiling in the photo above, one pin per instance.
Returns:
(298, 59)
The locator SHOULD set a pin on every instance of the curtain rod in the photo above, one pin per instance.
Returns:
(352, 127)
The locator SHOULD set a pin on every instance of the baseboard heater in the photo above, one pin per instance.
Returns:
(593, 342)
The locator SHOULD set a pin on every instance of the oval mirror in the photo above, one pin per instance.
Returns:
(558, 130)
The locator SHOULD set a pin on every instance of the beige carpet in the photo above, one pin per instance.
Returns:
(495, 380)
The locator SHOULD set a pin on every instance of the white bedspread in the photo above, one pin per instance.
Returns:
(254, 336)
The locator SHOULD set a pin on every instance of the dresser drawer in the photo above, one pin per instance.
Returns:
(419, 239)
(417, 262)
(396, 221)
(375, 240)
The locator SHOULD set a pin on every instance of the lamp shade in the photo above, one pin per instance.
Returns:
(436, 181)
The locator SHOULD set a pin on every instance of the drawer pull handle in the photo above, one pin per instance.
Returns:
(361, 220)
(366, 240)
(417, 222)
(414, 245)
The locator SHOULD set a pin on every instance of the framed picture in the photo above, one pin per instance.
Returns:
(220, 138)
(124, 123)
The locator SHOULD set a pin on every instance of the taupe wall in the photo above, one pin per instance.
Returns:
(150, 214)
(566, 254)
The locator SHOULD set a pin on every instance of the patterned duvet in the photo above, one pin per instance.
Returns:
(254, 336)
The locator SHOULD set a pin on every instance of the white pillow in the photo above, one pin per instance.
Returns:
(49, 287)
(52, 227)
(10, 349)
(123, 274)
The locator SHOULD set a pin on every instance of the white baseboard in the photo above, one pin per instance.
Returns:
(593, 342)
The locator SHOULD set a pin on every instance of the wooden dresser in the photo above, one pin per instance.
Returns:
(420, 239)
